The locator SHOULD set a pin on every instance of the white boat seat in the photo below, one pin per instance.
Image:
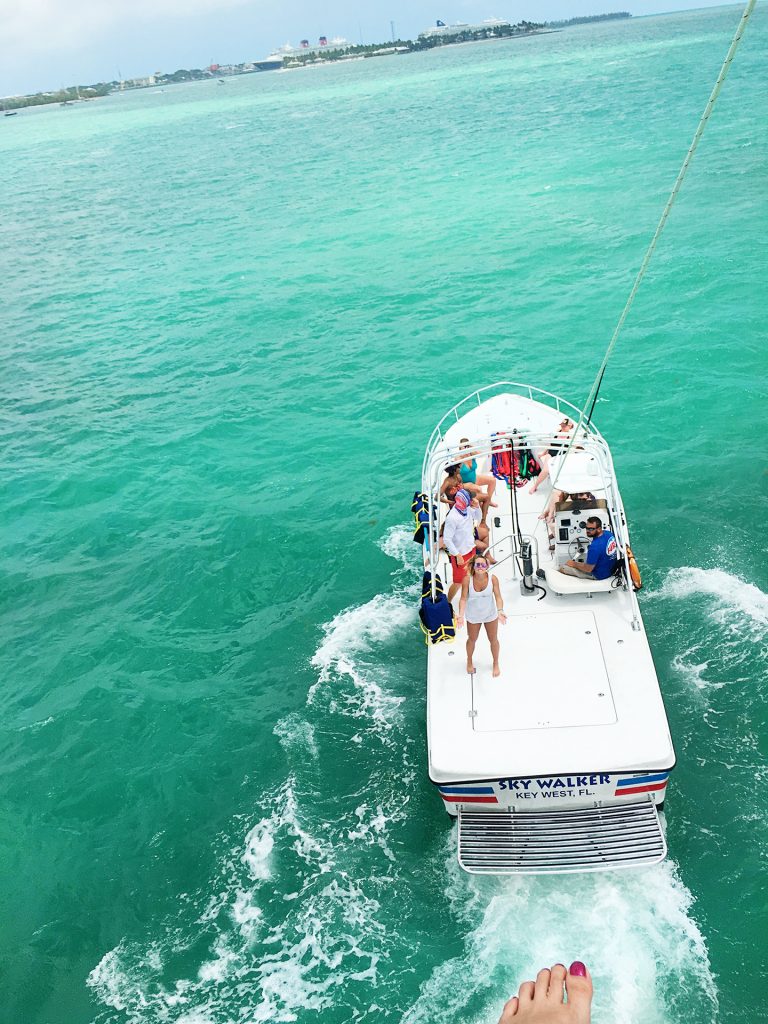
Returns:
(563, 584)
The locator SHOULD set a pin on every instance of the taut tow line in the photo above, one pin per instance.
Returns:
(592, 396)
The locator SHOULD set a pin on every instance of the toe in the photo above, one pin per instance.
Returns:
(509, 1011)
(525, 992)
(542, 983)
(556, 982)
(578, 985)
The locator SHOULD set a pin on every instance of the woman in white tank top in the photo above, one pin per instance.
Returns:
(481, 604)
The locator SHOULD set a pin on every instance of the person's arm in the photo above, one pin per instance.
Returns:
(499, 599)
(463, 602)
(584, 566)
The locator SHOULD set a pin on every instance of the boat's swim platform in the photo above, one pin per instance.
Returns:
(548, 841)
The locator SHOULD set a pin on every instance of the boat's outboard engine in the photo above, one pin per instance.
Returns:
(527, 585)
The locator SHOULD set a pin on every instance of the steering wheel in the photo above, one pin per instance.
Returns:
(576, 548)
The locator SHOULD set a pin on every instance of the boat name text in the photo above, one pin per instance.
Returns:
(568, 782)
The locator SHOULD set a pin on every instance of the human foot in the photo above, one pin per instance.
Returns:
(470, 668)
(496, 671)
(542, 1001)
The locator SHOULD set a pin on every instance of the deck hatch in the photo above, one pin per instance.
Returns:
(553, 675)
(541, 842)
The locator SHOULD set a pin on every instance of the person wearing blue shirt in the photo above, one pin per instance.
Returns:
(601, 554)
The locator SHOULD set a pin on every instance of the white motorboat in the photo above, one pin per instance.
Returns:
(562, 762)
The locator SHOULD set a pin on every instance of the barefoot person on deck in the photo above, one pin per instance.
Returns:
(482, 604)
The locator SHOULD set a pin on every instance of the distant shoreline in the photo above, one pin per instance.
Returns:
(426, 41)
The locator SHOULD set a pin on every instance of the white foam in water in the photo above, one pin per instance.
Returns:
(348, 637)
(330, 937)
(731, 593)
(373, 828)
(258, 847)
(296, 733)
(693, 671)
(633, 929)
(399, 544)
(351, 634)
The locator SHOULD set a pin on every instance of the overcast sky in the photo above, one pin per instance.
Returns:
(45, 44)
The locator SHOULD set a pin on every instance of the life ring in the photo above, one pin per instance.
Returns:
(634, 572)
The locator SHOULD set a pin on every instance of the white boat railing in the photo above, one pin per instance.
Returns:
(476, 398)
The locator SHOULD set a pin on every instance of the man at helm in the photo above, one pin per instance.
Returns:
(601, 556)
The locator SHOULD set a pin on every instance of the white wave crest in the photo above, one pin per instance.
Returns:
(348, 636)
(398, 543)
(731, 593)
(693, 671)
(296, 733)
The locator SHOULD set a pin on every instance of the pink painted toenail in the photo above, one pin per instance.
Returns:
(577, 969)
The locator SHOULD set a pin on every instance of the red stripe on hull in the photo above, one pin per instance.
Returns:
(458, 799)
(640, 789)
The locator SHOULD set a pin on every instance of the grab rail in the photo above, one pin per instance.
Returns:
(502, 387)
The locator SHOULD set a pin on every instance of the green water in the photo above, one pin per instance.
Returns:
(232, 314)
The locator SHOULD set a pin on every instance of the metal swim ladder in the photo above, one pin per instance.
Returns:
(502, 842)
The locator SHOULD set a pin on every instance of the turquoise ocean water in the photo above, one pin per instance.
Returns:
(232, 314)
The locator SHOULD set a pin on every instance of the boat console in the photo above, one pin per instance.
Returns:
(571, 539)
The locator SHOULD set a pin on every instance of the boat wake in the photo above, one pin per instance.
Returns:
(293, 921)
(324, 901)
(349, 676)
(734, 600)
(634, 929)
(713, 599)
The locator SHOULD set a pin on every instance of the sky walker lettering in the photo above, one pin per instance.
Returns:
(554, 788)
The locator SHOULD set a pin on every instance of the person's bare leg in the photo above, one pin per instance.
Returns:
(489, 483)
(543, 1001)
(492, 629)
(485, 504)
(452, 591)
(473, 631)
(544, 463)
(483, 536)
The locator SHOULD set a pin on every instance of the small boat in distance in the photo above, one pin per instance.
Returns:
(561, 763)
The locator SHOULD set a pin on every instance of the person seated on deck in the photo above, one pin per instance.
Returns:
(557, 500)
(454, 480)
(558, 444)
(459, 538)
(469, 474)
(602, 554)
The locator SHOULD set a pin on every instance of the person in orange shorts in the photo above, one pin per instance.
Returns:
(459, 536)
